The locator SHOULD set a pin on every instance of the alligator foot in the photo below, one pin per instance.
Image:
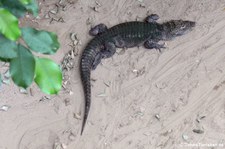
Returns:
(98, 29)
(109, 50)
(97, 61)
(150, 44)
(119, 42)
(152, 18)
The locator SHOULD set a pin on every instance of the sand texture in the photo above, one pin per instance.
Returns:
(141, 99)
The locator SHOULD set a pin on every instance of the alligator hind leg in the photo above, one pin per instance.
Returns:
(96, 61)
(98, 29)
(152, 18)
(151, 44)
(109, 50)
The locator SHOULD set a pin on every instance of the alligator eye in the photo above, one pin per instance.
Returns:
(182, 26)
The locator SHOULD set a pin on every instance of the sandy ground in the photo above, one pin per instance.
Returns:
(141, 99)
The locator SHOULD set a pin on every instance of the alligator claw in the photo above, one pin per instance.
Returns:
(152, 18)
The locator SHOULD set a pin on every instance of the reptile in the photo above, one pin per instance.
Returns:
(125, 35)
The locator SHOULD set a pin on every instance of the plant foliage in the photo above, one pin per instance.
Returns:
(48, 75)
(24, 66)
(40, 41)
(9, 25)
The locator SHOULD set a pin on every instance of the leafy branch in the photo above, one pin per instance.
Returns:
(24, 66)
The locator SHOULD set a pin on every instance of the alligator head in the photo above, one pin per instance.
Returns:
(176, 28)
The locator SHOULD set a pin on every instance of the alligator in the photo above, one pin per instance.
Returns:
(125, 35)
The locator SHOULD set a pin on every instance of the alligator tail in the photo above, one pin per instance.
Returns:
(87, 59)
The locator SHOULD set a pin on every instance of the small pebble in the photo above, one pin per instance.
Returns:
(23, 91)
(73, 36)
(198, 119)
(157, 116)
(77, 116)
(102, 95)
(53, 11)
(185, 137)
(135, 70)
(7, 74)
(199, 131)
(64, 146)
(5, 108)
(71, 93)
(6, 81)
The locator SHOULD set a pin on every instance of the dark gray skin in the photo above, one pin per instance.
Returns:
(125, 35)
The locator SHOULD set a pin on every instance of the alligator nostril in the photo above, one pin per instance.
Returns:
(192, 24)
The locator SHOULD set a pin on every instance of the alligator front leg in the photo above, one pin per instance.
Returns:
(98, 29)
(152, 18)
(151, 44)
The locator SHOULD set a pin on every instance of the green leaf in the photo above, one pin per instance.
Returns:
(25, 2)
(4, 59)
(40, 41)
(9, 25)
(14, 6)
(20, 7)
(32, 7)
(22, 67)
(8, 48)
(48, 76)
